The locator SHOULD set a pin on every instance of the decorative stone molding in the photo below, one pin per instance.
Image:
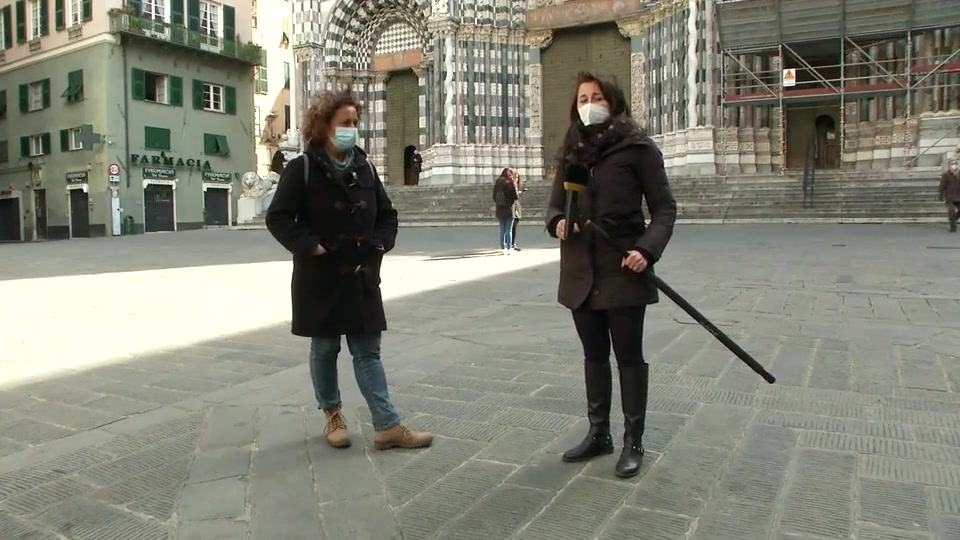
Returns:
(421, 70)
(440, 8)
(540, 39)
(381, 77)
(632, 26)
(638, 102)
(535, 102)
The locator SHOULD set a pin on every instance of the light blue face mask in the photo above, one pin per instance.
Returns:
(345, 138)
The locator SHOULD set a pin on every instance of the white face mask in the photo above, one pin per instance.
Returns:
(591, 113)
(954, 167)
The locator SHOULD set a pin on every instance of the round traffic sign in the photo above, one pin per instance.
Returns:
(114, 169)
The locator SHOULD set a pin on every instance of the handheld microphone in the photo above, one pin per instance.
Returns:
(577, 177)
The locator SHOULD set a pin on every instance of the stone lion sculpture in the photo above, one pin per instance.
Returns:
(255, 185)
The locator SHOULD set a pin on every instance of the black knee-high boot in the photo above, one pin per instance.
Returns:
(598, 442)
(633, 393)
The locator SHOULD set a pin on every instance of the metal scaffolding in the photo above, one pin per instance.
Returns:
(850, 30)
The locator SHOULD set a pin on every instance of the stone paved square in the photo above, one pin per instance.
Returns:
(150, 389)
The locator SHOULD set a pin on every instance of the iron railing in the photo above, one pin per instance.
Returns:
(175, 34)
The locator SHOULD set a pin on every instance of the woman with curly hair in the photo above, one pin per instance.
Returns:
(608, 293)
(333, 214)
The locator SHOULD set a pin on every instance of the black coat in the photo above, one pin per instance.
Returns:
(504, 195)
(336, 293)
(624, 174)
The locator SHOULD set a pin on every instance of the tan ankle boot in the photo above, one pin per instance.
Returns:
(336, 430)
(399, 436)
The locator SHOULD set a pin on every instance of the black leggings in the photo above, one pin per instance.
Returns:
(623, 326)
(516, 221)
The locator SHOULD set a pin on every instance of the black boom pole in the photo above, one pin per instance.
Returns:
(692, 311)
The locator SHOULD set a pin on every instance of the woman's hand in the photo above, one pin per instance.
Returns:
(634, 261)
(561, 231)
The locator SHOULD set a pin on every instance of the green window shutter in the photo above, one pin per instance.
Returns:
(7, 27)
(21, 21)
(176, 12)
(44, 17)
(3, 104)
(156, 138)
(229, 30)
(286, 75)
(24, 98)
(134, 6)
(24, 146)
(87, 10)
(4, 152)
(74, 89)
(209, 144)
(59, 15)
(193, 15)
(223, 148)
(138, 86)
(230, 99)
(64, 140)
(197, 94)
(45, 84)
(176, 91)
(163, 139)
(45, 142)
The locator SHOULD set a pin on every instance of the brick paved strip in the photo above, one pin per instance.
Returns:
(453, 495)
(438, 392)
(500, 514)
(517, 445)
(910, 472)
(540, 404)
(164, 452)
(579, 510)
(458, 429)
(873, 532)
(431, 466)
(452, 409)
(945, 500)
(727, 518)
(499, 387)
(860, 444)
(894, 505)
(716, 426)
(628, 523)
(542, 421)
(15, 528)
(681, 481)
(819, 499)
(85, 520)
(45, 496)
(844, 425)
(27, 478)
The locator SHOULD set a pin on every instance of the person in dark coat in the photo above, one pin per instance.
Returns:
(504, 195)
(606, 292)
(950, 193)
(331, 211)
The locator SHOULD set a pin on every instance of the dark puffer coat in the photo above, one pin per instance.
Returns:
(350, 215)
(623, 175)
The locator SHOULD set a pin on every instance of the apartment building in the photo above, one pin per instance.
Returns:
(274, 112)
(123, 118)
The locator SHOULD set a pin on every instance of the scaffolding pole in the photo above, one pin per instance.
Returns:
(783, 116)
(723, 114)
(843, 96)
(908, 140)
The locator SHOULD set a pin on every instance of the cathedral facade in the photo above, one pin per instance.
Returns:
(478, 85)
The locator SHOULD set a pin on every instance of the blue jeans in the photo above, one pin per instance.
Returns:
(368, 369)
(506, 232)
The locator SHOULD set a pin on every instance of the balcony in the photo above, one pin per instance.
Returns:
(178, 36)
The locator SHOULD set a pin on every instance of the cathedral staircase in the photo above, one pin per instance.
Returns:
(836, 197)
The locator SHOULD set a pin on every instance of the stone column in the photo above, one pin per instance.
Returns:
(693, 39)
(422, 72)
(537, 40)
(635, 28)
(378, 106)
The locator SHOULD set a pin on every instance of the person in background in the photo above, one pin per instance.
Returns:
(607, 292)
(333, 214)
(950, 193)
(517, 209)
(504, 195)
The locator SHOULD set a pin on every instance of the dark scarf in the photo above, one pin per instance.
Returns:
(589, 143)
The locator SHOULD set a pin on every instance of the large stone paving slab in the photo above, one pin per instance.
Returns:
(860, 437)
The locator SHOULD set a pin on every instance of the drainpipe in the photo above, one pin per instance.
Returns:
(126, 114)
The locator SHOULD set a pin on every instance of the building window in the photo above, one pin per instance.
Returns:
(74, 91)
(156, 138)
(257, 122)
(210, 22)
(70, 140)
(36, 18)
(36, 146)
(155, 10)
(215, 145)
(286, 75)
(76, 12)
(155, 88)
(286, 118)
(3, 28)
(3, 104)
(260, 84)
(253, 15)
(36, 96)
(4, 152)
(212, 97)
(75, 142)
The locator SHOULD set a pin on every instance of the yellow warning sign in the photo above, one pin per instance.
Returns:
(789, 77)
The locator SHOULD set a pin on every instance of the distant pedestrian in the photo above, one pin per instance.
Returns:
(950, 193)
(607, 292)
(504, 195)
(517, 209)
(332, 212)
